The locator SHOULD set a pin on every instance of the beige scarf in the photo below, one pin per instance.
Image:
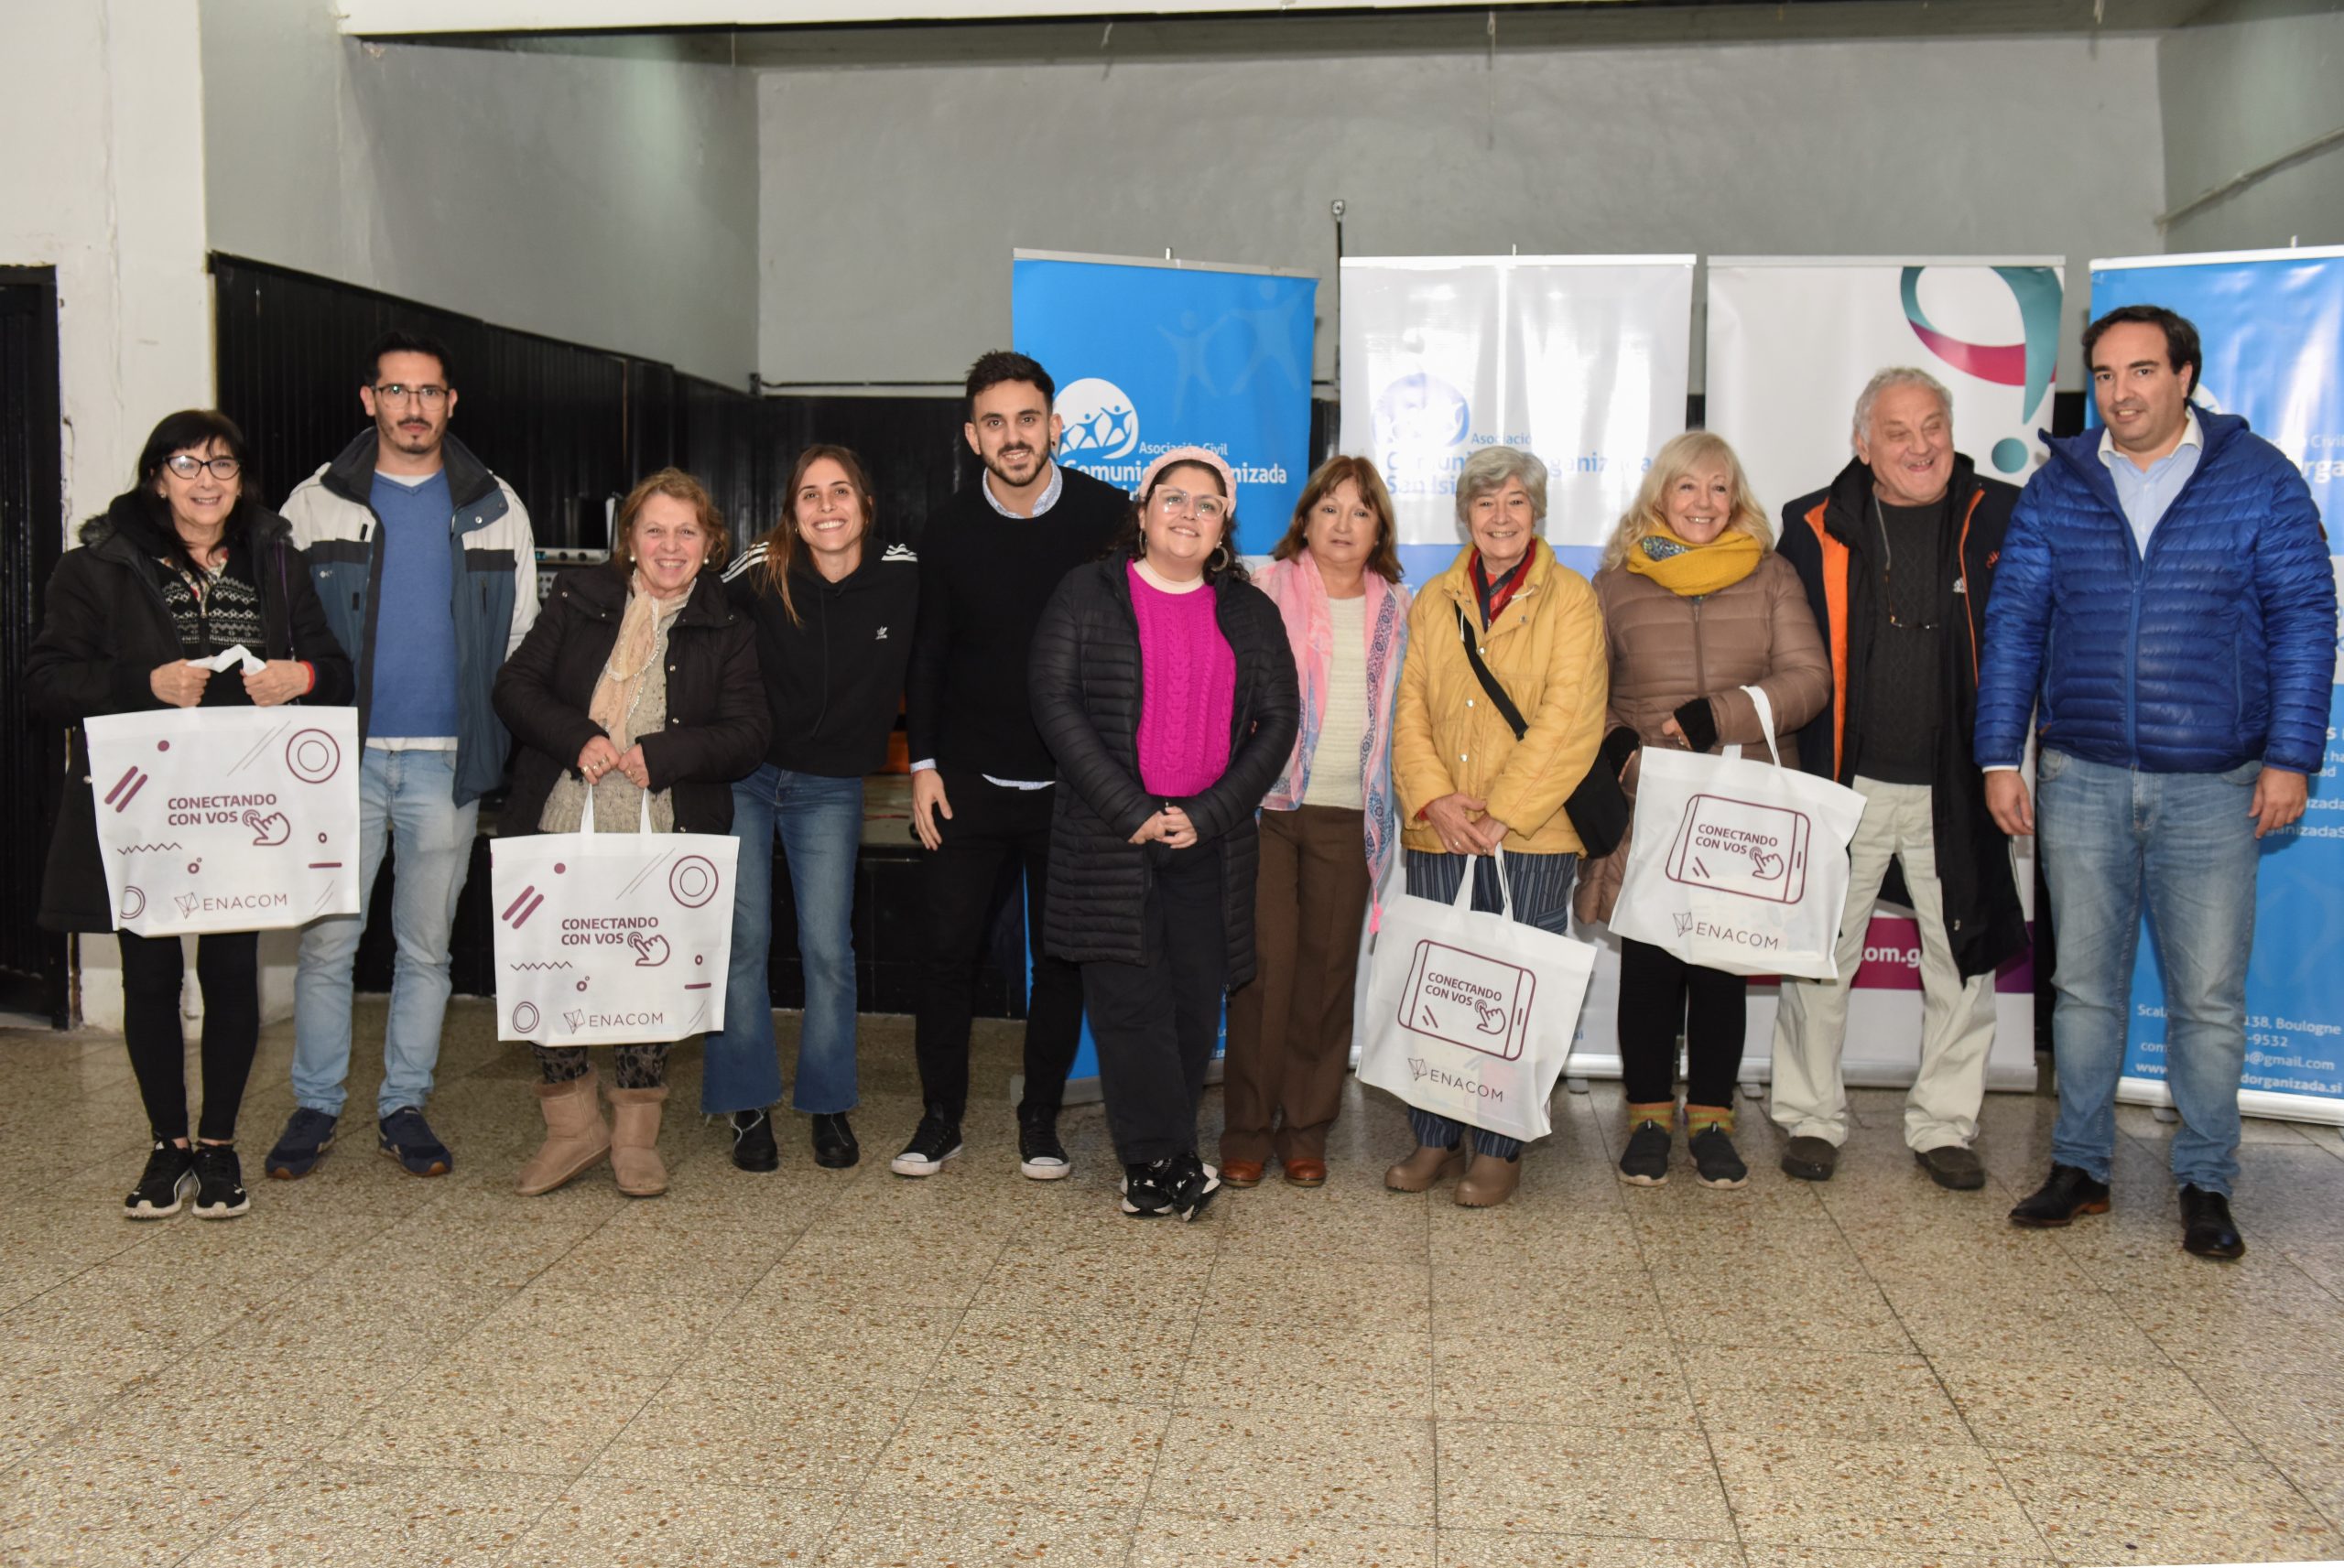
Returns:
(630, 656)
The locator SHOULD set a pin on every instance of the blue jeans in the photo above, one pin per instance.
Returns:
(820, 821)
(1540, 886)
(2110, 837)
(410, 796)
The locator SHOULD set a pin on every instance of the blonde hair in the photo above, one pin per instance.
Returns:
(1646, 515)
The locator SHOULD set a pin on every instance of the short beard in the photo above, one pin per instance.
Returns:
(993, 466)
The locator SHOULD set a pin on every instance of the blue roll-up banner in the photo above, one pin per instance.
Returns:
(2272, 327)
(1150, 355)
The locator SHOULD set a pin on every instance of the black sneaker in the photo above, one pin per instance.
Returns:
(307, 1137)
(835, 1148)
(1197, 1182)
(219, 1182)
(933, 1142)
(1040, 1156)
(408, 1138)
(1715, 1161)
(1150, 1190)
(752, 1148)
(170, 1170)
(1645, 1162)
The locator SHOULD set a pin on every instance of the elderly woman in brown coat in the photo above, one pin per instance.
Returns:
(1696, 605)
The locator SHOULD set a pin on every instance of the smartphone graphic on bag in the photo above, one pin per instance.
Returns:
(1468, 1000)
(1743, 846)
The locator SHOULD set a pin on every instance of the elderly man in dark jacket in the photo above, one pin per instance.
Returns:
(1898, 556)
(2167, 612)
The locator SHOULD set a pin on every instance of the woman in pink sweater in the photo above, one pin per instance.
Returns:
(1163, 683)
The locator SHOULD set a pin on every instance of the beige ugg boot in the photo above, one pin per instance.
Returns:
(576, 1136)
(1420, 1170)
(1488, 1182)
(635, 1137)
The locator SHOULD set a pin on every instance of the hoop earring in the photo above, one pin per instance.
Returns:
(1222, 558)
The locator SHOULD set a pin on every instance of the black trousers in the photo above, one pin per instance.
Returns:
(1659, 990)
(1155, 1023)
(227, 965)
(990, 826)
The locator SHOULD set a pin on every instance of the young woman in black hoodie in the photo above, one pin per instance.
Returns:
(184, 564)
(833, 616)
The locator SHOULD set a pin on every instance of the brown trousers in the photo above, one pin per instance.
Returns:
(1290, 1030)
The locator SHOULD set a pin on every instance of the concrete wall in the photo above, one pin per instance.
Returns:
(2248, 82)
(610, 202)
(893, 196)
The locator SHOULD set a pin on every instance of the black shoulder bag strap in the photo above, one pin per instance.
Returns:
(1598, 806)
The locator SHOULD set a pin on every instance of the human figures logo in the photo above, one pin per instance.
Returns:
(2027, 365)
(1420, 411)
(1101, 424)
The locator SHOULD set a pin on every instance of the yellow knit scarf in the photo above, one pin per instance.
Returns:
(1691, 570)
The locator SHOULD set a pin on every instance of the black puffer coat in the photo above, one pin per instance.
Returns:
(717, 721)
(1085, 682)
(104, 631)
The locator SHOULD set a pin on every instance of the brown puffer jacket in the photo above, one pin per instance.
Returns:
(1666, 650)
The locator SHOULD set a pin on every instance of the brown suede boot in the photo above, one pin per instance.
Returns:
(1420, 1170)
(576, 1136)
(1489, 1182)
(634, 1136)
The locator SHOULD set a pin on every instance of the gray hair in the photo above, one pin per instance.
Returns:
(1894, 376)
(1489, 469)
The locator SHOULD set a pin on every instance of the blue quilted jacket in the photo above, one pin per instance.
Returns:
(2216, 650)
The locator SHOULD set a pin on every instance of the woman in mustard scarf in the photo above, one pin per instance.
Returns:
(1696, 606)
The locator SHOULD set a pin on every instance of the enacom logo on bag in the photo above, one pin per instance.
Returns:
(1480, 1003)
(1742, 847)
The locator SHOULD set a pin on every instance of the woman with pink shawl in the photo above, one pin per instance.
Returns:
(1328, 827)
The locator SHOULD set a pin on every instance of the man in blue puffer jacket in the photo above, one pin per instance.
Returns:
(2165, 592)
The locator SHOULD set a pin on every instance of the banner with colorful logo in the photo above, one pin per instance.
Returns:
(1581, 360)
(226, 818)
(1151, 355)
(2271, 327)
(1793, 340)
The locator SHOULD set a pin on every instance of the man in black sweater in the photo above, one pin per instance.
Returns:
(980, 775)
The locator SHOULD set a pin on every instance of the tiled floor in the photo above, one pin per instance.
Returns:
(845, 1368)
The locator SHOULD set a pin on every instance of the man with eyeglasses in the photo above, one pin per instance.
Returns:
(1898, 557)
(990, 559)
(427, 567)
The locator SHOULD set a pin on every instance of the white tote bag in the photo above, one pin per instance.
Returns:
(226, 818)
(611, 939)
(1739, 865)
(1471, 1015)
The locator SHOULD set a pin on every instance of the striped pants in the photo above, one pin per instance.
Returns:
(1540, 886)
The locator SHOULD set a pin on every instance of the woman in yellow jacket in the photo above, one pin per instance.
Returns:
(1467, 783)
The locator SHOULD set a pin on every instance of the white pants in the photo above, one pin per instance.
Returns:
(1809, 1097)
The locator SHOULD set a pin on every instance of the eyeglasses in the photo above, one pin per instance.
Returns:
(1208, 508)
(399, 391)
(187, 465)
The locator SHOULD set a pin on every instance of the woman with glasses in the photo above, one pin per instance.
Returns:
(1501, 710)
(1162, 682)
(1696, 605)
(184, 564)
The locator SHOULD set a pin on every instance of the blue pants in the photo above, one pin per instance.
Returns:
(1541, 889)
(2115, 839)
(409, 797)
(820, 823)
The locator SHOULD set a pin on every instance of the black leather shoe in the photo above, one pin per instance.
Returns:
(834, 1145)
(2067, 1193)
(2206, 1228)
(753, 1147)
(1811, 1159)
(1952, 1166)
